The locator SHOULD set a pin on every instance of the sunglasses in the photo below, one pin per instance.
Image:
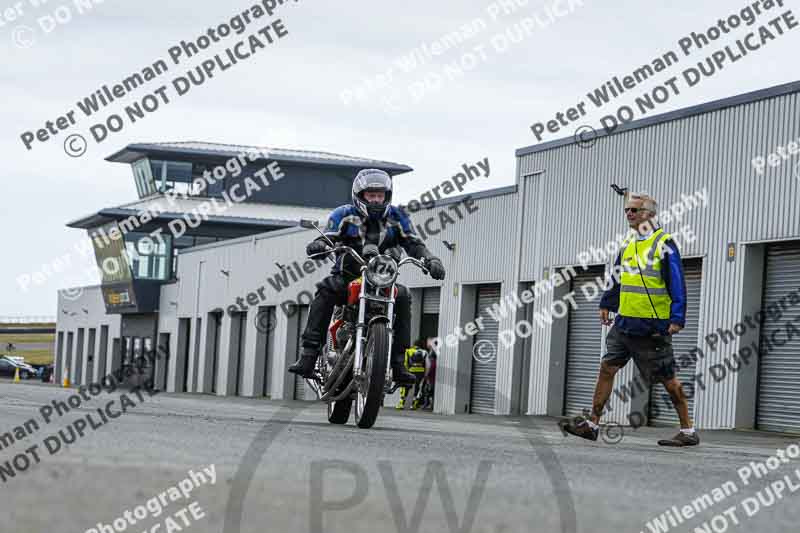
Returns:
(633, 210)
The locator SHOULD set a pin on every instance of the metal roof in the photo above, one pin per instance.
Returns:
(449, 200)
(716, 105)
(258, 214)
(132, 152)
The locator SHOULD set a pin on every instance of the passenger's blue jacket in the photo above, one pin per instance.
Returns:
(672, 273)
(346, 225)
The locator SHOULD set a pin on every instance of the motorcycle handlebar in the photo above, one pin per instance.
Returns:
(339, 249)
(415, 262)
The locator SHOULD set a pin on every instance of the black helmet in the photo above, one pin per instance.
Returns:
(372, 180)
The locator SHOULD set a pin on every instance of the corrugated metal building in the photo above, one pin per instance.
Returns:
(745, 256)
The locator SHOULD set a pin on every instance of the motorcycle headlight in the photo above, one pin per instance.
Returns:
(381, 271)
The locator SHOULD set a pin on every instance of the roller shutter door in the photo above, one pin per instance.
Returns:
(430, 300)
(484, 370)
(779, 366)
(301, 389)
(429, 321)
(661, 409)
(584, 348)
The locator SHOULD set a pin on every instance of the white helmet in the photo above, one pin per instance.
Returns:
(372, 179)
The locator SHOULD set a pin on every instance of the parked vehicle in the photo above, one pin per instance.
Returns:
(9, 366)
(46, 372)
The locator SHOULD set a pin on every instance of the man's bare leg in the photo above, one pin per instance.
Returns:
(602, 391)
(687, 436)
(679, 401)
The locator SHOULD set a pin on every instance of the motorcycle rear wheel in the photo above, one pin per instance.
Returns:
(370, 398)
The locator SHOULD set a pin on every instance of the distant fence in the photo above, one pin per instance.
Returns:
(43, 319)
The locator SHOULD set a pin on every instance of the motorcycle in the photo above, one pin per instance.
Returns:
(355, 367)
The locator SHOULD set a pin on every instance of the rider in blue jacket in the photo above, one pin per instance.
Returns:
(370, 220)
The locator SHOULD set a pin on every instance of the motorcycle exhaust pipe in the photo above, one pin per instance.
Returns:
(329, 396)
(336, 371)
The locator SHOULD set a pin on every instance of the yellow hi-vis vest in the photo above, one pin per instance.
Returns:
(414, 364)
(633, 300)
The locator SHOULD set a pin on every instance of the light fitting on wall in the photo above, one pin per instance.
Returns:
(450, 246)
(225, 273)
(619, 190)
(85, 311)
(280, 266)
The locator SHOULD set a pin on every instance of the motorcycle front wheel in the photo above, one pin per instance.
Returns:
(339, 412)
(370, 395)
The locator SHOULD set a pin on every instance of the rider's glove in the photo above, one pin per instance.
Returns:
(435, 267)
(395, 253)
(317, 247)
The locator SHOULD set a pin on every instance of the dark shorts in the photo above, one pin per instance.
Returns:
(653, 354)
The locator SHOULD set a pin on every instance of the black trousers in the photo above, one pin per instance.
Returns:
(332, 291)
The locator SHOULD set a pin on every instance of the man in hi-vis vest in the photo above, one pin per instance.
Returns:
(649, 297)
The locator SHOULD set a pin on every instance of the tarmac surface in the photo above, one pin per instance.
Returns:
(21, 347)
(280, 466)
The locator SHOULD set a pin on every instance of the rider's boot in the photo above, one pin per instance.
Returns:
(305, 365)
(401, 404)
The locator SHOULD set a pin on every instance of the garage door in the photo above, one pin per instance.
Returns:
(779, 368)
(301, 389)
(661, 409)
(583, 345)
(430, 300)
(484, 360)
(429, 321)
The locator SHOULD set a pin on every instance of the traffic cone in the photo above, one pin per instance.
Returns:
(65, 382)
(16, 376)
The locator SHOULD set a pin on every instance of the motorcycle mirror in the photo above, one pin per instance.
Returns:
(308, 224)
(312, 224)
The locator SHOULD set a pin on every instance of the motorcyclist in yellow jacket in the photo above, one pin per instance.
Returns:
(414, 363)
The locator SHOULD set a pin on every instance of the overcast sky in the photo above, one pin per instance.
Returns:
(291, 95)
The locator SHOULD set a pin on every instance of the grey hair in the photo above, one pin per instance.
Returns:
(648, 202)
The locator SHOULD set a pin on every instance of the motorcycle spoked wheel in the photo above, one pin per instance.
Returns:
(370, 396)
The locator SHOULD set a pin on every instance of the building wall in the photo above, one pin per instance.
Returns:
(571, 207)
(84, 310)
(168, 323)
(322, 187)
(249, 262)
(561, 206)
